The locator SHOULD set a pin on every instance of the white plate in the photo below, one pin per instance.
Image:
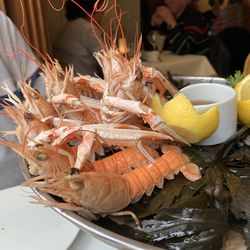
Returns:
(27, 226)
(86, 241)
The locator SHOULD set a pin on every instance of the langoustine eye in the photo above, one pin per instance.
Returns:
(74, 142)
(149, 84)
(39, 153)
(28, 116)
(41, 156)
(76, 183)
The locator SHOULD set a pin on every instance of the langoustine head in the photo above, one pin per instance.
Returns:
(28, 124)
(57, 79)
(98, 192)
(35, 103)
(123, 75)
(40, 159)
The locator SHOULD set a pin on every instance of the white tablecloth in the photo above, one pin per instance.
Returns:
(27, 226)
(185, 65)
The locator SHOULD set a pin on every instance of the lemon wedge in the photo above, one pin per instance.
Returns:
(243, 107)
(242, 89)
(181, 116)
(156, 104)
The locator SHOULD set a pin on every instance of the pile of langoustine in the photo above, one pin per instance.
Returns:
(95, 142)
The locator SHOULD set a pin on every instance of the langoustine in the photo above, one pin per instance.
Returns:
(122, 188)
(97, 109)
(125, 92)
(83, 192)
(44, 143)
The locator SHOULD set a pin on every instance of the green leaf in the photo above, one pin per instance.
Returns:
(237, 77)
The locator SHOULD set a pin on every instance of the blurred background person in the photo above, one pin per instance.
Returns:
(237, 41)
(76, 43)
(17, 64)
(187, 31)
(234, 35)
(190, 31)
(186, 28)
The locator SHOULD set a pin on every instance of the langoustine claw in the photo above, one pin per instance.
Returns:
(109, 135)
(136, 107)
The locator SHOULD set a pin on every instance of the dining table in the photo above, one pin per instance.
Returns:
(182, 65)
(27, 225)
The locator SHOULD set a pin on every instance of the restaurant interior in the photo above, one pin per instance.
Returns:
(50, 20)
(39, 23)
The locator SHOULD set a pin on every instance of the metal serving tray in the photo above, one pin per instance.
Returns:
(116, 240)
(198, 79)
(111, 238)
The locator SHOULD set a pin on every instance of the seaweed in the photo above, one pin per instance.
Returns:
(235, 156)
(197, 215)
(160, 198)
(187, 228)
